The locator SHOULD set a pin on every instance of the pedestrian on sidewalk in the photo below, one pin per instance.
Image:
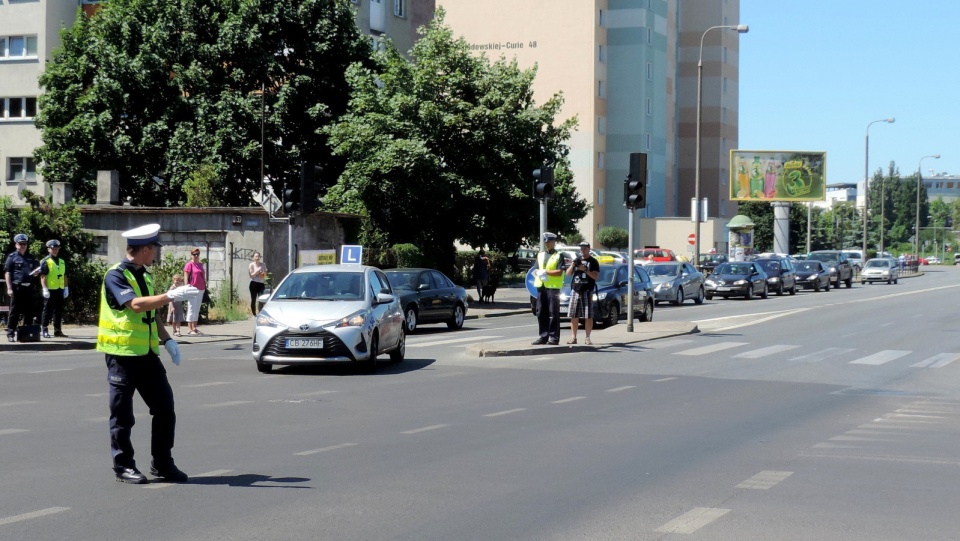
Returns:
(53, 279)
(175, 315)
(20, 270)
(258, 277)
(196, 276)
(548, 279)
(129, 335)
(481, 273)
(585, 270)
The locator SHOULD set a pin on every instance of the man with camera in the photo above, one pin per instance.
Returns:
(585, 270)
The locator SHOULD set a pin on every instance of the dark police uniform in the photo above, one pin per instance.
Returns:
(23, 302)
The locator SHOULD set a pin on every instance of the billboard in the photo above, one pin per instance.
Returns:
(777, 175)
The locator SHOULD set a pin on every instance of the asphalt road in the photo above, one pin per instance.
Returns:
(820, 416)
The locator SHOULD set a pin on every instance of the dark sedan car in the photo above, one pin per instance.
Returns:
(781, 275)
(737, 279)
(428, 296)
(610, 297)
(708, 262)
(813, 274)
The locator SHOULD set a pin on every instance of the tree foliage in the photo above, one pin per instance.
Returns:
(613, 238)
(442, 149)
(163, 87)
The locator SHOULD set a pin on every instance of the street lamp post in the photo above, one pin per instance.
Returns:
(696, 211)
(866, 183)
(916, 227)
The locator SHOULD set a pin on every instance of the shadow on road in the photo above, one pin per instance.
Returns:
(250, 480)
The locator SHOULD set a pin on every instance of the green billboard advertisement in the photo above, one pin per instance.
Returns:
(777, 175)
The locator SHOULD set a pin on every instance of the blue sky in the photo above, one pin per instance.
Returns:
(814, 73)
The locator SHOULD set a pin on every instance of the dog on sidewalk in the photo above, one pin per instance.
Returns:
(488, 293)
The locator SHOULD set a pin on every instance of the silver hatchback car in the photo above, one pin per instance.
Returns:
(329, 313)
(880, 269)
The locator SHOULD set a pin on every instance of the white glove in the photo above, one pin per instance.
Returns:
(66, 291)
(542, 275)
(182, 292)
(174, 350)
(46, 293)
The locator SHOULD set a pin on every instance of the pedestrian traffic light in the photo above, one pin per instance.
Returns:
(543, 182)
(309, 178)
(291, 199)
(635, 185)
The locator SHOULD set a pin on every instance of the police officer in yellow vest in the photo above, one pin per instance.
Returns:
(130, 335)
(53, 278)
(548, 279)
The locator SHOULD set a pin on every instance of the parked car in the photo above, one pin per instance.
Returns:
(329, 313)
(933, 260)
(781, 275)
(428, 296)
(675, 281)
(610, 296)
(880, 269)
(522, 259)
(813, 274)
(737, 279)
(708, 262)
(606, 256)
(956, 259)
(854, 257)
(643, 255)
(839, 265)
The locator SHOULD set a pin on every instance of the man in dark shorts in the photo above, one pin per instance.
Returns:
(585, 270)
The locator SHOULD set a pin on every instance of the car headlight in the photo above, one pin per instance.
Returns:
(709, 282)
(355, 319)
(773, 279)
(599, 296)
(740, 283)
(264, 320)
(661, 287)
(833, 269)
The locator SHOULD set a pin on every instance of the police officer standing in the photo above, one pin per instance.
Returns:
(130, 335)
(53, 279)
(548, 279)
(19, 271)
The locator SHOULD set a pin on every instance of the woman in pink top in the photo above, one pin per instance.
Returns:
(196, 277)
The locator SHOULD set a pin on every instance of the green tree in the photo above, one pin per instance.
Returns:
(613, 238)
(763, 233)
(161, 87)
(443, 149)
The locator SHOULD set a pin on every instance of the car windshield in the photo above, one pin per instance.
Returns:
(877, 263)
(770, 266)
(607, 276)
(403, 279)
(852, 255)
(327, 286)
(735, 268)
(663, 270)
(808, 266)
(825, 257)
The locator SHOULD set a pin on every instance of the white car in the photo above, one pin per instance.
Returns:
(933, 260)
(330, 313)
(880, 269)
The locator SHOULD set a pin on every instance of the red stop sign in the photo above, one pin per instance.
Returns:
(692, 239)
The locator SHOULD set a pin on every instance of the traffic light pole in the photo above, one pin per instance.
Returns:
(290, 255)
(543, 222)
(630, 285)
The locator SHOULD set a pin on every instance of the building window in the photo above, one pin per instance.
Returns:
(599, 196)
(601, 124)
(648, 141)
(600, 19)
(649, 107)
(601, 89)
(601, 160)
(18, 108)
(724, 85)
(649, 35)
(723, 115)
(601, 56)
(949, 185)
(649, 71)
(400, 8)
(18, 47)
(22, 169)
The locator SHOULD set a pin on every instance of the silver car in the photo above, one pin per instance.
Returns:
(880, 269)
(675, 281)
(330, 313)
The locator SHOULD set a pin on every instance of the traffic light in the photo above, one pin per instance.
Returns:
(309, 175)
(543, 182)
(291, 199)
(635, 185)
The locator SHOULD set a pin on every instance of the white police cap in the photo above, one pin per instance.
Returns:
(143, 235)
(20, 237)
(548, 236)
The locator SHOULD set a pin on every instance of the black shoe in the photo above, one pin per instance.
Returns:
(58, 334)
(538, 342)
(46, 334)
(131, 476)
(553, 343)
(170, 474)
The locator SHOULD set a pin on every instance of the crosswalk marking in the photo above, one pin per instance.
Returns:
(712, 348)
(693, 520)
(821, 355)
(448, 341)
(325, 449)
(33, 514)
(881, 357)
(937, 361)
(662, 344)
(765, 479)
(763, 352)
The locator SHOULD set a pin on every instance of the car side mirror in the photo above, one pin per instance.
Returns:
(622, 283)
(384, 298)
(423, 287)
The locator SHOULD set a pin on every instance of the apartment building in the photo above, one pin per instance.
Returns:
(396, 19)
(628, 72)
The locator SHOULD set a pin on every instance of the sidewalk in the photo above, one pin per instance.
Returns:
(507, 301)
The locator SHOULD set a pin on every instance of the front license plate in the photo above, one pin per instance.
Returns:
(304, 343)
(723, 288)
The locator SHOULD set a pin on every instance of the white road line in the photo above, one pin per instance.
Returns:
(226, 404)
(32, 514)
(448, 341)
(211, 384)
(20, 403)
(424, 429)
(6, 431)
(937, 361)
(661, 344)
(325, 449)
(505, 412)
(818, 356)
(618, 389)
(763, 352)
(214, 473)
(881, 357)
(664, 379)
(571, 399)
(712, 348)
(51, 370)
(314, 393)
(765, 479)
(693, 520)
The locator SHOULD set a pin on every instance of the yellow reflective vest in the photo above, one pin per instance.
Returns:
(553, 263)
(124, 332)
(55, 272)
